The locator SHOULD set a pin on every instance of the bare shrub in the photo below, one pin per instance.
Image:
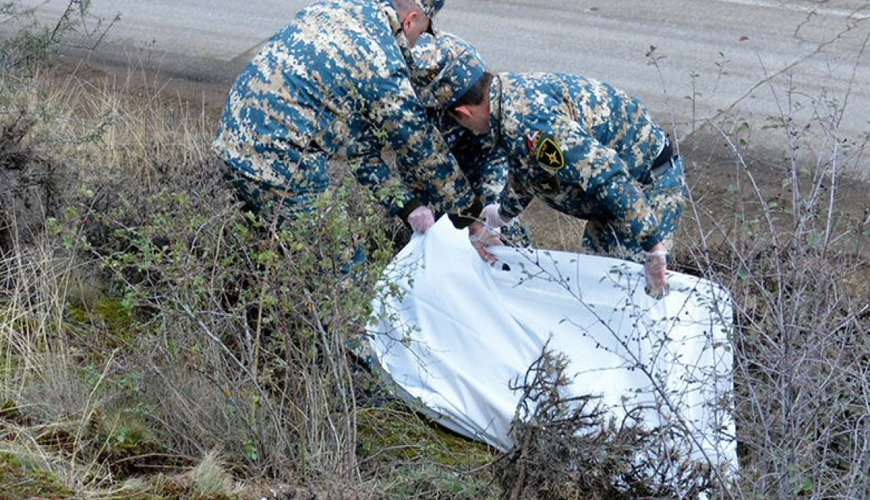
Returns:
(200, 328)
(33, 43)
(250, 330)
(571, 448)
(794, 256)
(30, 180)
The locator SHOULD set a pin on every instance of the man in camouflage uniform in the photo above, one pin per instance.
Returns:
(335, 81)
(484, 166)
(587, 150)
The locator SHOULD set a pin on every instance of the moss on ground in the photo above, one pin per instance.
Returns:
(396, 432)
(23, 483)
(420, 459)
(110, 315)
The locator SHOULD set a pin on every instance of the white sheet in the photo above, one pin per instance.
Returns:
(453, 333)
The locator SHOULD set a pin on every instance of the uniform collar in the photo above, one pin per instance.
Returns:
(495, 109)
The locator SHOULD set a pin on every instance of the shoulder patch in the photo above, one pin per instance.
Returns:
(546, 152)
(548, 185)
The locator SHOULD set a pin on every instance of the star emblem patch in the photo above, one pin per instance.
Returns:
(546, 152)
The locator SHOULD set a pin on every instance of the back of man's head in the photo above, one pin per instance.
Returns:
(445, 69)
(428, 7)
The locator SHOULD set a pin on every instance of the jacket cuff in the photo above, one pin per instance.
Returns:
(407, 208)
(652, 240)
(505, 212)
(464, 219)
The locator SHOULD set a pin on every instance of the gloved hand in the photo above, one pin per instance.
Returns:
(491, 218)
(420, 219)
(654, 268)
(482, 237)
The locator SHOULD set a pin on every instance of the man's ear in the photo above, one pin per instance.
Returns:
(461, 111)
(409, 19)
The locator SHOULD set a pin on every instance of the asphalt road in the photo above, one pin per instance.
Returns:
(719, 62)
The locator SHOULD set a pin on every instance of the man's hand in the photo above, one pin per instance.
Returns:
(489, 215)
(482, 237)
(420, 219)
(654, 269)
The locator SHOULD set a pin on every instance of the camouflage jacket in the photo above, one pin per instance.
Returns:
(485, 167)
(581, 146)
(336, 80)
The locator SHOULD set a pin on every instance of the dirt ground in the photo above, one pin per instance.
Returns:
(717, 180)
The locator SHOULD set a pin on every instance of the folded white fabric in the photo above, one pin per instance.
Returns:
(453, 333)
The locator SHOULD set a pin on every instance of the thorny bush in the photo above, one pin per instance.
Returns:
(573, 448)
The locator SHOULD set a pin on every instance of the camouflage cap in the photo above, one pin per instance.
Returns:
(445, 68)
(430, 7)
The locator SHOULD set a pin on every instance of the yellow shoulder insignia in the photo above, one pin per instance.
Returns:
(549, 155)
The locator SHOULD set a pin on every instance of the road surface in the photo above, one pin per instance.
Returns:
(716, 62)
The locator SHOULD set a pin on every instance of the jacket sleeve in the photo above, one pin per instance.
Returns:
(626, 201)
(514, 199)
(493, 176)
(599, 171)
(370, 170)
(422, 158)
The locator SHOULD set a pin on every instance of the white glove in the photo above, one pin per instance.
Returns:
(421, 218)
(482, 237)
(491, 218)
(480, 234)
(654, 268)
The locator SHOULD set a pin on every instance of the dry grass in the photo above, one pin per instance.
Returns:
(149, 326)
(157, 343)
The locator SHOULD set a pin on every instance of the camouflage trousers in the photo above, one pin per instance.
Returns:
(666, 195)
(305, 178)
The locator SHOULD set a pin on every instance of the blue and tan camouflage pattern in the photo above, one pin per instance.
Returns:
(483, 164)
(608, 142)
(444, 68)
(666, 197)
(486, 168)
(430, 7)
(334, 83)
(438, 84)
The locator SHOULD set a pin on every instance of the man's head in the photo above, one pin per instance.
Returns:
(416, 16)
(448, 71)
(473, 108)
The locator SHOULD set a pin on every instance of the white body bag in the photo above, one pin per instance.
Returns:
(453, 333)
